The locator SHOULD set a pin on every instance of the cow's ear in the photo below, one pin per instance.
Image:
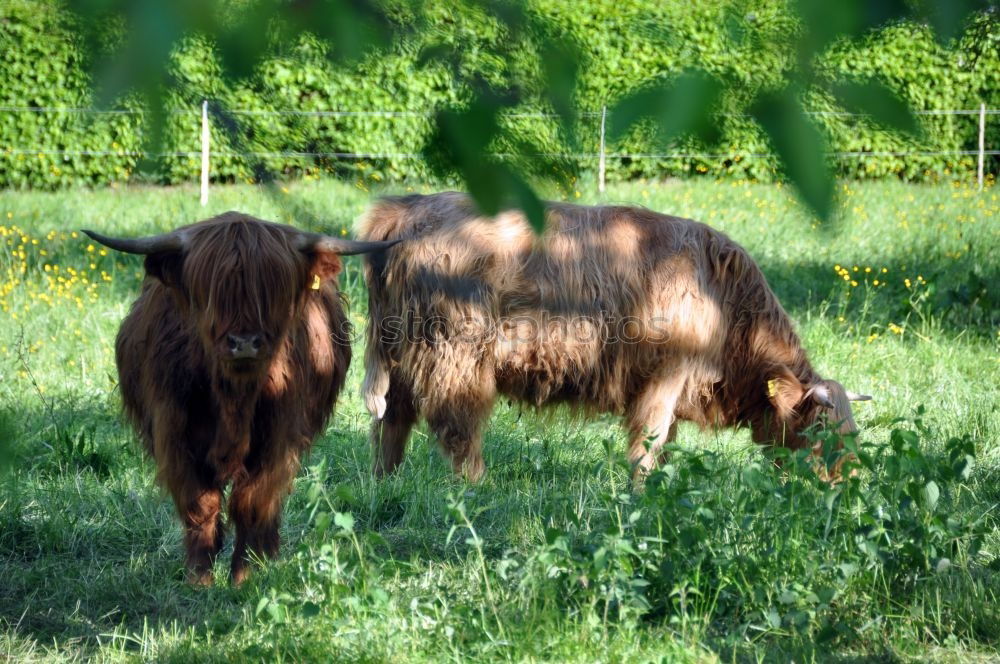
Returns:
(325, 266)
(784, 390)
(166, 266)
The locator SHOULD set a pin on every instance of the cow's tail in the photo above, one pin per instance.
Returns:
(376, 384)
(384, 221)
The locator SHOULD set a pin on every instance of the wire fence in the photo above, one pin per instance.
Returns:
(501, 155)
(206, 153)
(396, 114)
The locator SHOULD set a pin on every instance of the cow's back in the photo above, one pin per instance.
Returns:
(605, 298)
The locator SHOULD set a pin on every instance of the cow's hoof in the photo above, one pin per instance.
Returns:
(473, 470)
(238, 575)
(200, 578)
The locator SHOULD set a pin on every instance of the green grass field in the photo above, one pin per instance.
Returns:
(551, 557)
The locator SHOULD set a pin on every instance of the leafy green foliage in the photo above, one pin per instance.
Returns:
(42, 64)
(874, 99)
(461, 143)
(825, 22)
(780, 110)
(758, 552)
(763, 551)
(800, 145)
(948, 18)
(437, 61)
(677, 108)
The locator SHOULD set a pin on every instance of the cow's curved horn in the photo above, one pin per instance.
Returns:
(854, 396)
(151, 244)
(821, 395)
(320, 242)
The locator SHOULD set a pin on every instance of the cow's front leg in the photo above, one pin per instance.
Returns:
(456, 411)
(200, 508)
(651, 424)
(458, 426)
(255, 509)
(195, 489)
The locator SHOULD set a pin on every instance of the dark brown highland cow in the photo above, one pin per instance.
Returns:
(229, 364)
(613, 309)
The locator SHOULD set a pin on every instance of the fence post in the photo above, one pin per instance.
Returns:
(982, 142)
(600, 163)
(204, 152)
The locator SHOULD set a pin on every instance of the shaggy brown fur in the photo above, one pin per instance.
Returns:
(613, 309)
(210, 419)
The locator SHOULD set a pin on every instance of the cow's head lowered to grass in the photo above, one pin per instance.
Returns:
(240, 281)
(795, 406)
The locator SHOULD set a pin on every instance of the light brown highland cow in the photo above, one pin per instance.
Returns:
(614, 309)
(229, 363)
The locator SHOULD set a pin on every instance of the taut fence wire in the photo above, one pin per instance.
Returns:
(601, 156)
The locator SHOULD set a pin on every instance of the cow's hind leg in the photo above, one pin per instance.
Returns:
(255, 508)
(389, 435)
(651, 423)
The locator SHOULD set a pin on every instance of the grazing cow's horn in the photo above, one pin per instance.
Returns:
(151, 244)
(854, 396)
(821, 395)
(320, 242)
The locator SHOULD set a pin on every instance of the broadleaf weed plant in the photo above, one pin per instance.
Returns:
(774, 549)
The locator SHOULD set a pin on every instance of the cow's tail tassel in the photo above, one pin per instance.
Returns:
(376, 383)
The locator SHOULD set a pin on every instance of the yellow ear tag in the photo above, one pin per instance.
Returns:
(772, 388)
(315, 283)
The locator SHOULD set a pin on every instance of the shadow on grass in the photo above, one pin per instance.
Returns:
(957, 296)
(90, 548)
(95, 559)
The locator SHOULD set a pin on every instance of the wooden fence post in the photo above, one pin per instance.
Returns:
(204, 152)
(600, 163)
(982, 142)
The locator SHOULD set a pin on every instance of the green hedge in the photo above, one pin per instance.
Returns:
(622, 43)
